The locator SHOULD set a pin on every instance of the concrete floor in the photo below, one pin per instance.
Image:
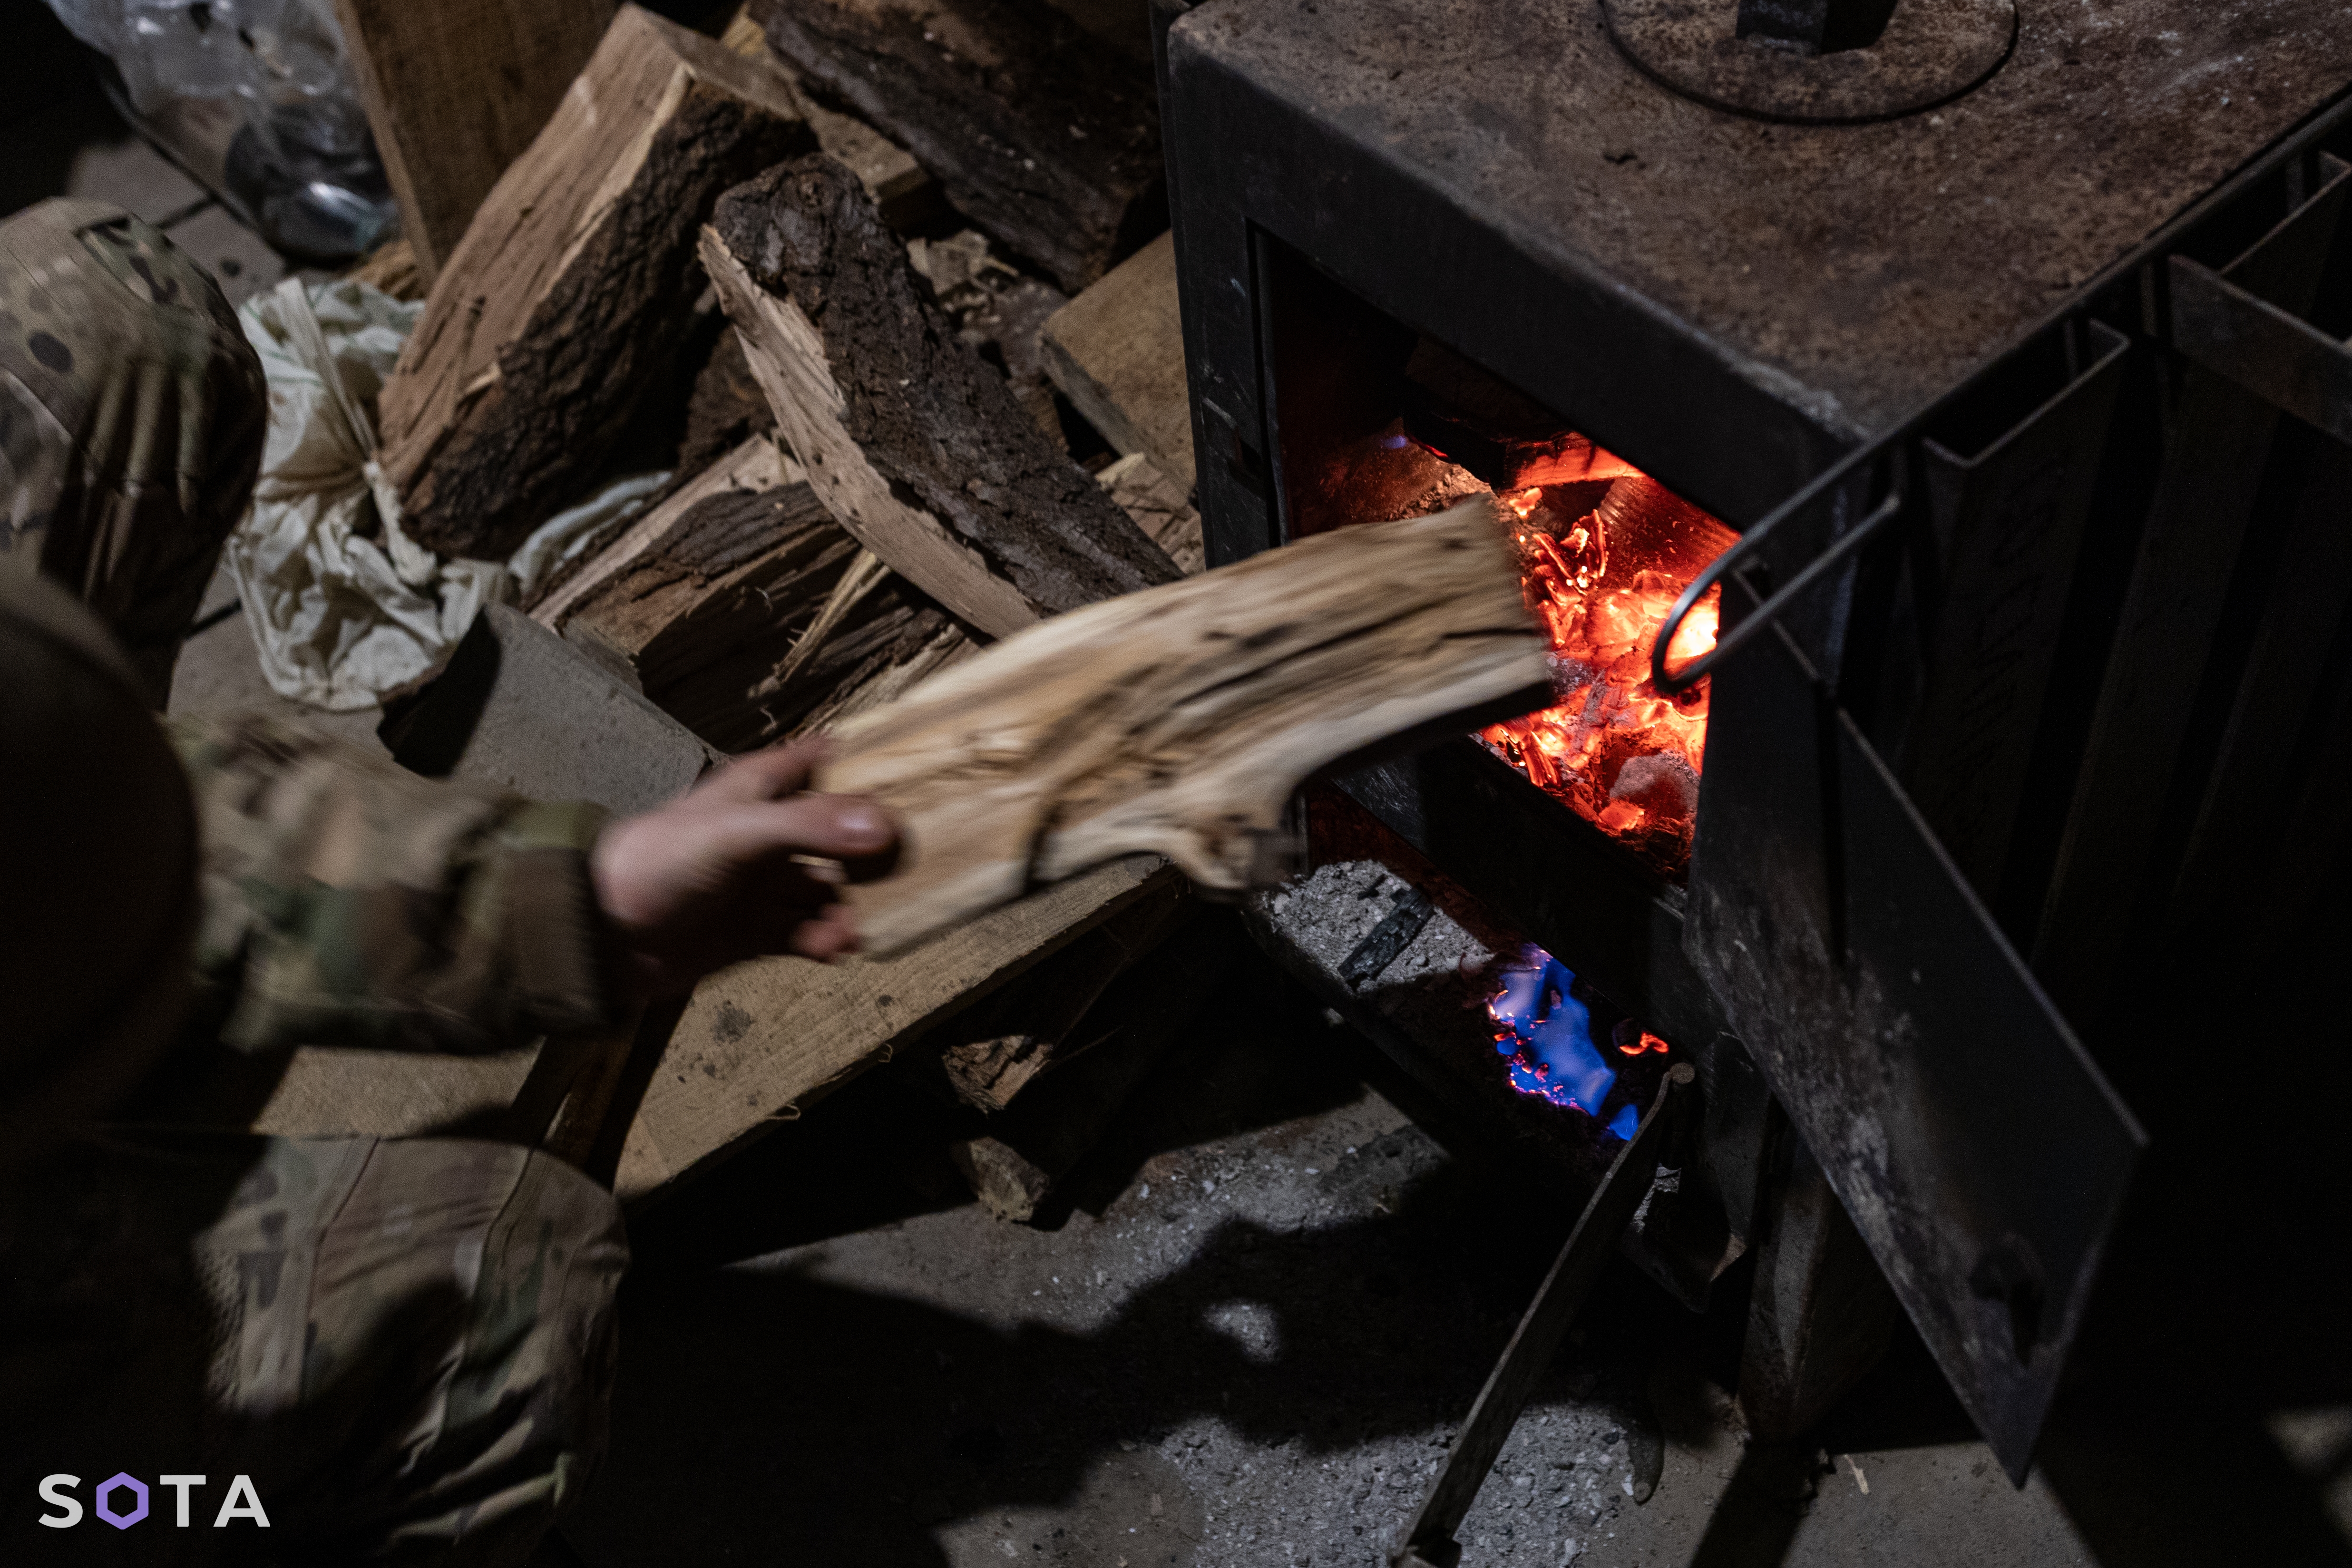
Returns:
(1245, 1336)
(1247, 1343)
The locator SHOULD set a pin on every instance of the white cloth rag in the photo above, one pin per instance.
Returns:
(346, 609)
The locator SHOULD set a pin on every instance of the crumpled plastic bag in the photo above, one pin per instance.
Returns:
(258, 99)
(346, 609)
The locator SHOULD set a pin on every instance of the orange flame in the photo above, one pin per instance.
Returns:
(1623, 753)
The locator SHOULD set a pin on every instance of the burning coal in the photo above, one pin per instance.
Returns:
(1602, 575)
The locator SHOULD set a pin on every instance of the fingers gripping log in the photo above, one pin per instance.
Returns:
(1179, 719)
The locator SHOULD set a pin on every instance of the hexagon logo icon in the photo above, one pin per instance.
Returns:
(105, 1510)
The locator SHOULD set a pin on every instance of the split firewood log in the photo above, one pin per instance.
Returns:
(1180, 719)
(915, 442)
(573, 283)
(1044, 135)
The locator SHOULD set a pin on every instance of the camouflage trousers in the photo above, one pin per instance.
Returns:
(131, 418)
(406, 1346)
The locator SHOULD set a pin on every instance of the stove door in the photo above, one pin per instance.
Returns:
(1981, 1153)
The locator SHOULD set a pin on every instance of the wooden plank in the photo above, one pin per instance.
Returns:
(987, 1055)
(572, 284)
(762, 1041)
(915, 442)
(1180, 719)
(1118, 353)
(455, 90)
(1043, 135)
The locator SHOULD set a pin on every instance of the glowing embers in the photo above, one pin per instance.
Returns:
(1603, 556)
(1546, 1031)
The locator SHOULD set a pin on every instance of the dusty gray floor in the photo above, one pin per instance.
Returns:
(1248, 1343)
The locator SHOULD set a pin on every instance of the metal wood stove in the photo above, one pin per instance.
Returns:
(2020, 371)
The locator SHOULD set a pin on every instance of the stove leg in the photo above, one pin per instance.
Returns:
(1820, 1313)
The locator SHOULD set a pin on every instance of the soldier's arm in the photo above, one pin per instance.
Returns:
(347, 900)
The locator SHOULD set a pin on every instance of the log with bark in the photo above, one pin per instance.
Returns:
(1181, 718)
(916, 444)
(903, 190)
(571, 287)
(1043, 135)
(709, 604)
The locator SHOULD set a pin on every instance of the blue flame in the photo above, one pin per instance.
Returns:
(1626, 1123)
(1548, 1035)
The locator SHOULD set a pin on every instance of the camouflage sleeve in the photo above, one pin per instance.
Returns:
(349, 901)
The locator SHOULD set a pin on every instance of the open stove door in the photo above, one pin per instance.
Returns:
(1981, 1153)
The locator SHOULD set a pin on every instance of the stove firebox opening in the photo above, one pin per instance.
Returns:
(1380, 424)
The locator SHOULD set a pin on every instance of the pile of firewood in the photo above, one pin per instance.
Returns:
(890, 294)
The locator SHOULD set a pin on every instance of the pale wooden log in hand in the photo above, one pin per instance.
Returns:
(1179, 719)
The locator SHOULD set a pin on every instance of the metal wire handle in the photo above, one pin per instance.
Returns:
(1672, 682)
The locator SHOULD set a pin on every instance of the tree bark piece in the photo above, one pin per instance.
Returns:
(915, 442)
(1180, 719)
(1118, 353)
(904, 192)
(1043, 135)
(756, 464)
(572, 282)
(455, 90)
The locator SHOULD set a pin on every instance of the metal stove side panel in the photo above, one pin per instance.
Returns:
(1981, 1154)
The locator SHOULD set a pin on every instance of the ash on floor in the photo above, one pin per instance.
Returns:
(1245, 1340)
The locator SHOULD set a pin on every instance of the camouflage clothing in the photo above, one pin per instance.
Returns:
(349, 901)
(406, 1345)
(131, 415)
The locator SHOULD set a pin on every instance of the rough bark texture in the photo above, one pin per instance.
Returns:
(866, 355)
(572, 282)
(725, 409)
(1044, 135)
(1179, 720)
(703, 618)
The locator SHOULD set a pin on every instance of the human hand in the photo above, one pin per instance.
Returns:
(744, 863)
